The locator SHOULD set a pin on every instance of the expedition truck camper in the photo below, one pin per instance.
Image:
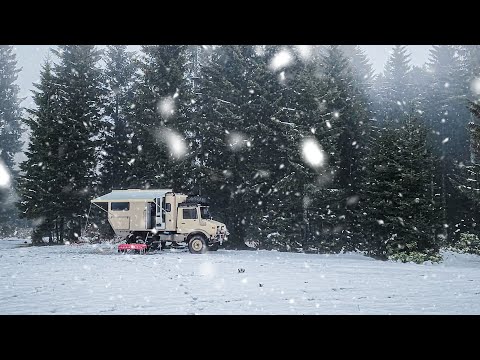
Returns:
(149, 218)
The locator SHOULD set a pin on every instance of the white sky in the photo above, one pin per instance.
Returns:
(378, 54)
(31, 57)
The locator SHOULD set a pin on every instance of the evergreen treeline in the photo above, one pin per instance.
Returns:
(297, 147)
(10, 138)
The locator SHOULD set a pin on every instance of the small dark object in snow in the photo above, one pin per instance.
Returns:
(261, 285)
(241, 270)
(24, 242)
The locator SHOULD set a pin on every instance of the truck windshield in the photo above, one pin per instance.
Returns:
(204, 213)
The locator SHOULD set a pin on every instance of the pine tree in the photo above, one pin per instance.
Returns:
(467, 180)
(239, 100)
(10, 111)
(448, 114)
(420, 78)
(80, 94)
(448, 117)
(401, 212)
(395, 96)
(361, 67)
(470, 57)
(117, 150)
(39, 186)
(348, 103)
(10, 133)
(291, 217)
(160, 100)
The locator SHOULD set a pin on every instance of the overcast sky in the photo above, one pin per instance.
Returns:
(30, 58)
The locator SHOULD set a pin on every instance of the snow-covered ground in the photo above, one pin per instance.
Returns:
(94, 279)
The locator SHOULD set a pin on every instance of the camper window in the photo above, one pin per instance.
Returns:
(120, 206)
(189, 213)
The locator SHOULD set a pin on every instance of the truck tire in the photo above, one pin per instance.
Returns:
(197, 245)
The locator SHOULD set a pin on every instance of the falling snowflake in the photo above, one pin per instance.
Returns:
(166, 107)
(259, 50)
(236, 140)
(312, 153)
(475, 86)
(445, 140)
(207, 269)
(353, 200)
(329, 125)
(336, 114)
(305, 51)
(446, 85)
(381, 222)
(4, 175)
(176, 144)
(280, 60)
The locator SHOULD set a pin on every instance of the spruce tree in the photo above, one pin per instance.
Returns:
(360, 64)
(10, 133)
(420, 79)
(239, 100)
(467, 180)
(470, 57)
(394, 86)
(80, 95)
(448, 117)
(401, 218)
(291, 217)
(160, 100)
(119, 103)
(348, 103)
(38, 186)
(448, 114)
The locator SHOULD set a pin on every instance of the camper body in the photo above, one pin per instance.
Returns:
(154, 217)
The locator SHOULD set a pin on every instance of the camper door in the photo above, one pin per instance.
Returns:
(160, 213)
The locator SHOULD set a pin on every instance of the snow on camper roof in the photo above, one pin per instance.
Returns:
(132, 194)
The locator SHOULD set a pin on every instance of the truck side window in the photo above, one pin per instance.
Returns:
(120, 206)
(189, 213)
(168, 207)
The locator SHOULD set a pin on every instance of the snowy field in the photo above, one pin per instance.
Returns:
(89, 279)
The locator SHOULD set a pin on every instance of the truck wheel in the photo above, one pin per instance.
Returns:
(197, 244)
